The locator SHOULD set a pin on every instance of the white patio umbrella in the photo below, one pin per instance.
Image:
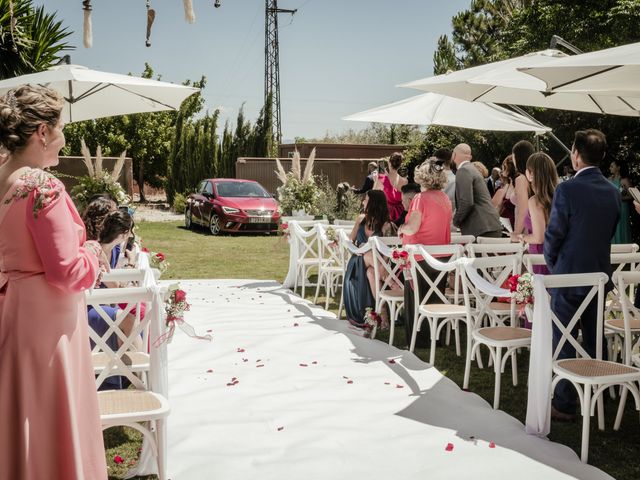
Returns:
(502, 82)
(93, 94)
(435, 109)
(610, 71)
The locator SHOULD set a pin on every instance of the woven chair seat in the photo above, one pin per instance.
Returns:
(587, 367)
(442, 309)
(504, 334)
(393, 294)
(618, 324)
(118, 402)
(136, 360)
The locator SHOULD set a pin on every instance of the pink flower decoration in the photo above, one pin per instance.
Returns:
(492, 445)
(118, 459)
(449, 447)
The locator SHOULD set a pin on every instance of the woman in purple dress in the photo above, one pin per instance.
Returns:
(543, 179)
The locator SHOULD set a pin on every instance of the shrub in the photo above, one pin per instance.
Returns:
(179, 203)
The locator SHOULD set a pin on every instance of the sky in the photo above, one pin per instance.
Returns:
(337, 57)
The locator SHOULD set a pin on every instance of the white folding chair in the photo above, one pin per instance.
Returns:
(530, 260)
(494, 248)
(496, 336)
(492, 240)
(620, 262)
(448, 312)
(140, 404)
(331, 269)
(344, 223)
(389, 287)
(624, 247)
(308, 250)
(462, 239)
(590, 376)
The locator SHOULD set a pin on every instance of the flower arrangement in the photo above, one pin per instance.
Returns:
(298, 190)
(401, 257)
(332, 236)
(522, 286)
(374, 321)
(283, 229)
(157, 260)
(176, 304)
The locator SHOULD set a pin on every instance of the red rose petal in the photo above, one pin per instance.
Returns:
(209, 331)
(280, 429)
(346, 378)
(258, 361)
(304, 365)
(399, 386)
(295, 325)
(245, 360)
(234, 379)
(392, 361)
(258, 366)
(349, 381)
(449, 447)
(118, 459)
(314, 363)
(492, 445)
(210, 370)
(240, 350)
(387, 383)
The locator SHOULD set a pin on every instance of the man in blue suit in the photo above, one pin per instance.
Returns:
(583, 219)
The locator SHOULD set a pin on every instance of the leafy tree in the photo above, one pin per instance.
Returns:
(444, 58)
(35, 42)
(375, 133)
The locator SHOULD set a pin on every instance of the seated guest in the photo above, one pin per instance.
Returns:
(503, 199)
(428, 223)
(369, 180)
(359, 279)
(409, 191)
(97, 209)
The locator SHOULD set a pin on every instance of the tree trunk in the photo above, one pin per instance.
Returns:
(140, 181)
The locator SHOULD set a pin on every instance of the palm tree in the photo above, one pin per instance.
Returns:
(35, 41)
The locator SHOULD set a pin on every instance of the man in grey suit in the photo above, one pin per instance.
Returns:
(475, 215)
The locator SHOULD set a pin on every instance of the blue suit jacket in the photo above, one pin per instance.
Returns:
(583, 219)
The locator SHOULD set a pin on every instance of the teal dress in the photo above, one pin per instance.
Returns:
(623, 230)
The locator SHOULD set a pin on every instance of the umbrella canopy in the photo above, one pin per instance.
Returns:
(502, 82)
(435, 109)
(92, 94)
(611, 71)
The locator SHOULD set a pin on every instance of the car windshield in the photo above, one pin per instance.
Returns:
(241, 189)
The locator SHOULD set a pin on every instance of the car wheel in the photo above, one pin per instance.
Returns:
(188, 222)
(214, 224)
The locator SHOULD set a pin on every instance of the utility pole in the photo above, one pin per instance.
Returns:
(272, 62)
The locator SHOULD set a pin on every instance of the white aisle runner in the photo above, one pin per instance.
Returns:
(287, 392)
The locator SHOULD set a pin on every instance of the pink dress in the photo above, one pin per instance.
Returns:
(49, 418)
(394, 198)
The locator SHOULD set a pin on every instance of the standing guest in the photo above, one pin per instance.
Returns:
(48, 399)
(481, 169)
(503, 198)
(409, 191)
(428, 223)
(370, 179)
(541, 173)
(390, 184)
(475, 215)
(444, 156)
(359, 278)
(493, 182)
(620, 179)
(584, 215)
(521, 153)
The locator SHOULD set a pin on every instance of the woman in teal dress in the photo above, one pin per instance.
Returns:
(620, 178)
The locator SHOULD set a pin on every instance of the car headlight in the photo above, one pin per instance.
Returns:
(230, 210)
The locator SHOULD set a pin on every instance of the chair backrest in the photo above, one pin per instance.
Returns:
(132, 298)
(306, 241)
(624, 247)
(530, 260)
(625, 282)
(597, 282)
(122, 275)
(491, 249)
(330, 250)
(462, 239)
(427, 252)
(492, 240)
(622, 262)
(300, 219)
(482, 280)
(387, 273)
(349, 223)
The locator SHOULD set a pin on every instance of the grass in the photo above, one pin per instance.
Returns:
(195, 254)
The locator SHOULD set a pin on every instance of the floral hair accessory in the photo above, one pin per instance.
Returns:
(12, 101)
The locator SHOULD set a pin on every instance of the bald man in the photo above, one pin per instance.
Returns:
(475, 215)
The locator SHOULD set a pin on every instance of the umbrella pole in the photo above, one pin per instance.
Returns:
(551, 134)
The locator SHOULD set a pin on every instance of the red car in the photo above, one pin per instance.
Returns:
(232, 205)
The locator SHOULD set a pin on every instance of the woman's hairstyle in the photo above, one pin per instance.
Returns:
(430, 174)
(25, 108)
(94, 215)
(521, 152)
(376, 213)
(443, 154)
(624, 168)
(115, 223)
(545, 180)
(481, 168)
(509, 169)
(395, 160)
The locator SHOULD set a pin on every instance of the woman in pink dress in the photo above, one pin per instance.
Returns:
(391, 185)
(50, 423)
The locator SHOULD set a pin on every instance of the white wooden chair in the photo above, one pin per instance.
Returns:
(462, 239)
(529, 260)
(307, 250)
(496, 336)
(438, 315)
(624, 248)
(344, 223)
(140, 404)
(388, 283)
(591, 377)
(492, 240)
(331, 269)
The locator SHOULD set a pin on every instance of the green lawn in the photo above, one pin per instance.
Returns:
(195, 254)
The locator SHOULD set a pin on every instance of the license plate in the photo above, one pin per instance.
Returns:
(260, 220)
